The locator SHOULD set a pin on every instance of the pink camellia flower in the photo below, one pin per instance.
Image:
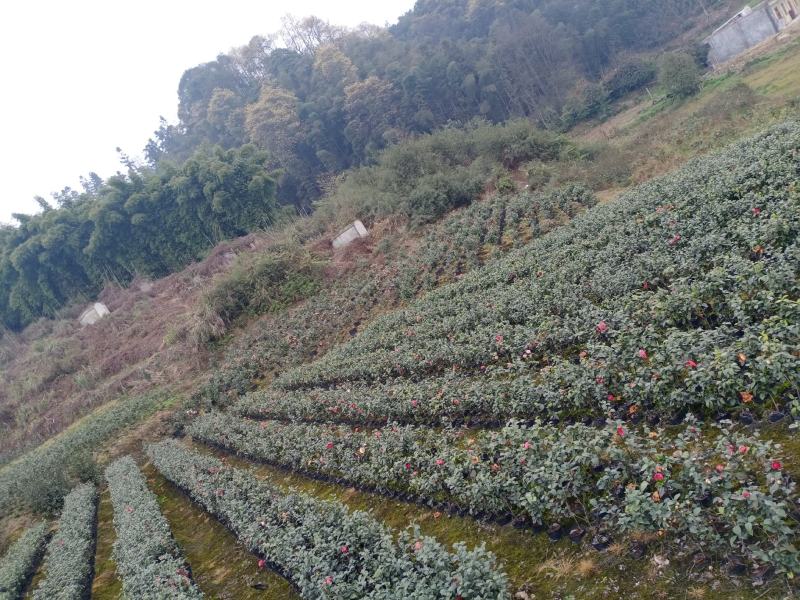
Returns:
(691, 364)
(720, 468)
(498, 338)
(620, 431)
(408, 466)
(756, 211)
(776, 465)
(611, 397)
(262, 563)
(456, 401)
(646, 285)
(414, 403)
(599, 380)
(329, 445)
(329, 580)
(642, 353)
(658, 477)
(743, 449)
(440, 461)
(602, 327)
(527, 445)
(129, 509)
(344, 549)
(418, 545)
(674, 239)
(378, 434)
(745, 494)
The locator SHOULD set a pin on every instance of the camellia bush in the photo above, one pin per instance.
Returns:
(69, 560)
(148, 559)
(19, 562)
(324, 549)
(710, 489)
(680, 295)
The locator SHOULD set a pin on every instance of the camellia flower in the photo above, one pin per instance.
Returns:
(498, 338)
(720, 468)
(262, 563)
(418, 545)
(414, 403)
(691, 364)
(329, 445)
(620, 431)
(440, 461)
(658, 477)
(599, 380)
(776, 465)
(746, 397)
(329, 580)
(344, 549)
(602, 327)
(527, 445)
(611, 397)
(756, 211)
(745, 494)
(743, 449)
(642, 353)
(378, 434)
(674, 239)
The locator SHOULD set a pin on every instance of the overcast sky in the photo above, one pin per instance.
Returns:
(82, 77)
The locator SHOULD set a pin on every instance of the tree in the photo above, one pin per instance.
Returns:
(679, 74)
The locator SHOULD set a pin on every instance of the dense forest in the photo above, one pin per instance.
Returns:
(275, 121)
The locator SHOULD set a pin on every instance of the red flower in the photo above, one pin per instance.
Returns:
(756, 211)
(329, 445)
(611, 397)
(602, 327)
(408, 466)
(642, 353)
(329, 580)
(620, 431)
(776, 465)
(720, 468)
(646, 285)
(658, 477)
(743, 449)
(440, 461)
(498, 338)
(414, 403)
(599, 380)
(674, 239)
(344, 549)
(745, 494)
(691, 364)
(262, 563)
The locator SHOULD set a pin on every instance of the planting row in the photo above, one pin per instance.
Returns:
(20, 561)
(68, 564)
(147, 557)
(40, 479)
(323, 548)
(460, 242)
(718, 490)
(684, 291)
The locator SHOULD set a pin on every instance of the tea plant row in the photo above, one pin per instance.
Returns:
(717, 490)
(20, 561)
(683, 293)
(40, 479)
(324, 549)
(148, 560)
(68, 564)
(460, 242)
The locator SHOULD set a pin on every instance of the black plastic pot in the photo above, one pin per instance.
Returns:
(554, 532)
(746, 418)
(576, 534)
(600, 542)
(776, 416)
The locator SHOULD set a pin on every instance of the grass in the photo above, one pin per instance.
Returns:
(106, 584)
(534, 564)
(221, 566)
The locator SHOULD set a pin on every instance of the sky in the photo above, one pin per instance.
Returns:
(84, 77)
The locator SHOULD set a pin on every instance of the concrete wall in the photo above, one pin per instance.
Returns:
(355, 231)
(742, 33)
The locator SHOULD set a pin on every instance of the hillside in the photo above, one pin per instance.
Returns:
(565, 363)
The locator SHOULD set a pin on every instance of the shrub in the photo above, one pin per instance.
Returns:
(148, 560)
(323, 548)
(68, 563)
(19, 562)
(600, 476)
(679, 74)
(630, 76)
